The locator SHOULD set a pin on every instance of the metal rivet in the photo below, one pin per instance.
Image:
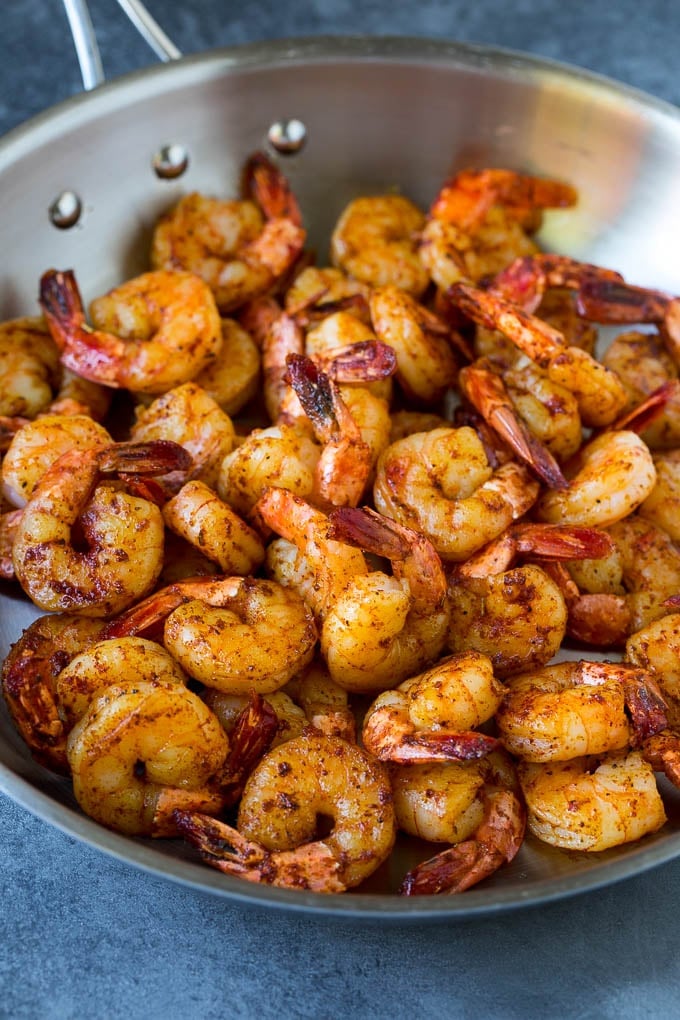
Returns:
(66, 210)
(170, 161)
(287, 136)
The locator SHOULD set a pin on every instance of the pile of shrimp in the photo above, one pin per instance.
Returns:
(285, 643)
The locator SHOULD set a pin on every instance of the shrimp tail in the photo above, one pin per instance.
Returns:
(156, 457)
(643, 414)
(365, 361)
(662, 751)
(616, 302)
(646, 704)
(315, 392)
(267, 186)
(494, 843)
(250, 739)
(440, 745)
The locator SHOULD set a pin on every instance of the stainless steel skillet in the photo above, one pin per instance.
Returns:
(379, 114)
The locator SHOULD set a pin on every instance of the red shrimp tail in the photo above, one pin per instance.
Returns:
(441, 745)
(156, 457)
(618, 303)
(644, 414)
(61, 303)
(314, 390)
(562, 541)
(267, 186)
(366, 361)
(646, 706)
(370, 531)
(523, 282)
(251, 738)
(494, 844)
(662, 751)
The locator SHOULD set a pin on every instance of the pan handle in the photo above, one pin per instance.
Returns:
(85, 40)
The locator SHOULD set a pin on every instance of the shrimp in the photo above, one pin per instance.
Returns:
(384, 628)
(488, 831)
(592, 803)
(662, 505)
(518, 617)
(29, 367)
(241, 248)
(290, 720)
(599, 392)
(526, 280)
(431, 717)
(294, 785)
(39, 444)
(481, 220)
(608, 479)
(326, 285)
(143, 748)
(650, 565)
(325, 704)
(643, 365)
(123, 534)
(656, 647)
(441, 484)
(29, 676)
(152, 333)
(426, 363)
(308, 558)
(236, 634)
(188, 415)
(574, 709)
(613, 301)
(233, 378)
(375, 242)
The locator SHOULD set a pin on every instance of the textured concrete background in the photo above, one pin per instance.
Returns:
(84, 935)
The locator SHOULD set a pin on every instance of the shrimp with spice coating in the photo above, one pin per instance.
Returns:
(232, 379)
(29, 367)
(656, 647)
(385, 627)
(662, 506)
(494, 840)
(431, 717)
(151, 333)
(240, 247)
(442, 484)
(275, 840)
(142, 749)
(123, 534)
(516, 614)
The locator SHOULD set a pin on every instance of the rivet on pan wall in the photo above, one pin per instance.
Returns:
(66, 209)
(170, 161)
(287, 136)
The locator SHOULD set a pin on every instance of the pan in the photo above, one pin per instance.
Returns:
(84, 183)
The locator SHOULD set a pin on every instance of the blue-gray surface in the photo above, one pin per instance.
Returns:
(83, 935)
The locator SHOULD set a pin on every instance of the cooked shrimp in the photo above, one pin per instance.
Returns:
(656, 647)
(642, 363)
(239, 247)
(29, 676)
(441, 484)
(662, 505)
(123, 534)
(608, 479)
(325, 704)
(290, 718)
(375, 241)
(650, 564)
(592, 803)
(188, 415)
(488, 831)
(426, 363)
(276, 840)
(307, 558)
(38, 444)
(152, 333)
(527, 279)
(384, 628)
(283, 338)
(233, 378)
(143, 748)
(197, 514)
(431, 717)
(517, 616)
(599, 392)
(613, 301)
(326, 285)
(29, 367)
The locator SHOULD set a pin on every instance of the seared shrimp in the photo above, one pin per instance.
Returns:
(241, 248)
(431, 717)
(123, 533)
(233, 378)
(662, 505)
(442, 484)
(152, 333)
(142, 749)
(592, 803)
(295, 784)
(656, 647)
(384, 628)
(29, 367)
(375, 241)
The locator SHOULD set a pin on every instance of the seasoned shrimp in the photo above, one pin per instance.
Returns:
(481, 220)
(326, 285)
(290, 718)
(650, 565)
(152, 333)
(240, 248)
(276, 840)
(307, 557)
(123, 533)
(643, 364)
(233, 378)
(142, 749)
(592, 803)
(29, 367)
(384, 628)
(662, 505)
(515, 615)
(441, 484)
(488, 831)
(39, 444)
(599, 392)
(188, 415)
(375, 241)
(608, 479)
(29, 676)
(426, 363)
(656, 647)
(197, 514)
(326, 705)
(431, 717)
